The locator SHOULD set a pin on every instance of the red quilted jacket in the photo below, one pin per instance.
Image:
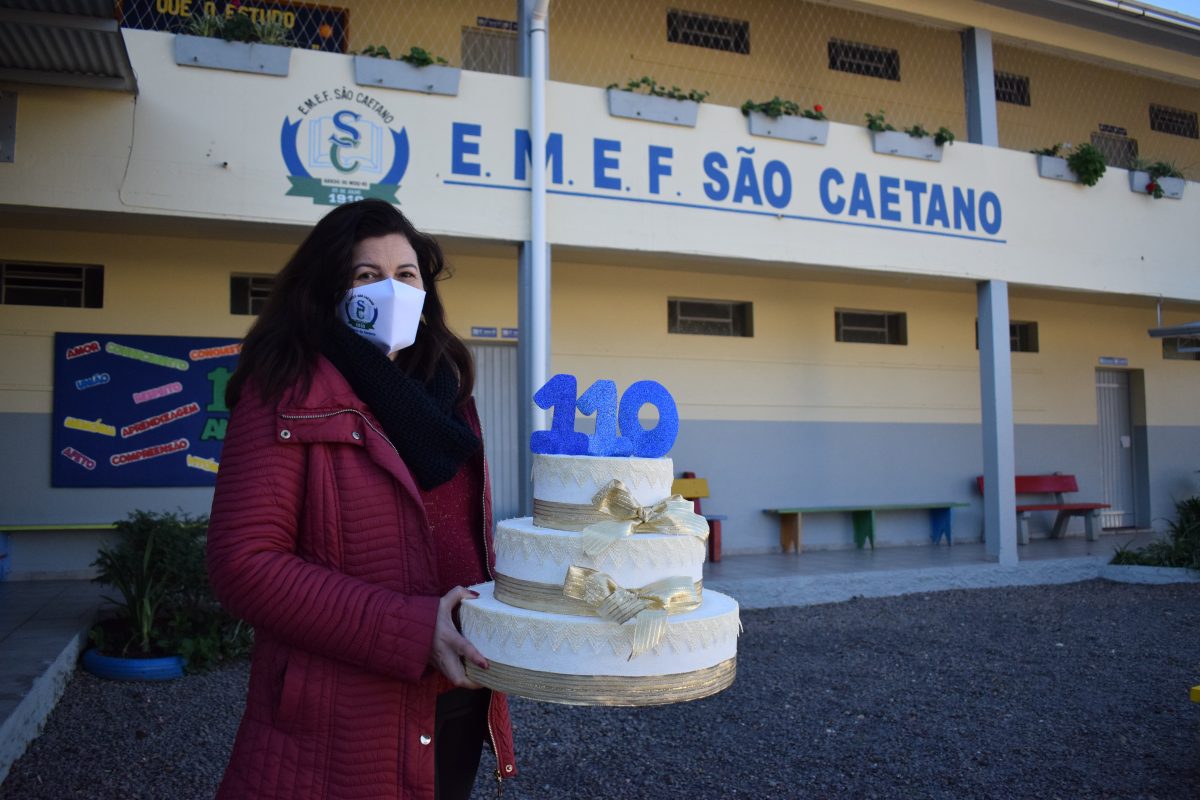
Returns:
(318, 538)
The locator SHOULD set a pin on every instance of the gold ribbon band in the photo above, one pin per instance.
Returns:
(547, 597)
(648, 606)
(616, 514)
(605, 690)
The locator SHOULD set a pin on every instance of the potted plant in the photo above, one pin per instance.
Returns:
(644, 98)
(1158, 179)
(164, 616)
(1052, 164)
(1087, 163)
(912, 142)
(235, 42)
(785, 119)
(418, 70)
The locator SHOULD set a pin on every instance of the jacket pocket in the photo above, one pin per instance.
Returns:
(298, 693)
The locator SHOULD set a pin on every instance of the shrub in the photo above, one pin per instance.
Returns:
(1180, 549)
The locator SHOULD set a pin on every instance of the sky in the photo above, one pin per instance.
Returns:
(1189, 7)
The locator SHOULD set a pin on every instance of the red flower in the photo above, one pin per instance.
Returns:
(818, 108)
(235, 4)
(1151, 187)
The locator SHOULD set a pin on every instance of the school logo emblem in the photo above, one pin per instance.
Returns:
(341, 148)
(361, 313)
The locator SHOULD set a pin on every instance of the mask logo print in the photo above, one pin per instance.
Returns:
(361, 313)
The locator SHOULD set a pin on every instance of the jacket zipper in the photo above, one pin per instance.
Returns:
(359, 414)
(487, 567)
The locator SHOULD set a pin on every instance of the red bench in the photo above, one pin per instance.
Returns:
(1057, 485)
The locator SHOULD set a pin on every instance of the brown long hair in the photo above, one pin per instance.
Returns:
(282, 346)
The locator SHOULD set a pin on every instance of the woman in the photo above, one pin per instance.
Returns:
(351, 509)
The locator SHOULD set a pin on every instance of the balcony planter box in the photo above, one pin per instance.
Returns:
(792, 128)
(389, 74)
(653, 109)
(1055, 168)
(200, 51)
(1172, 187)
(899, 143)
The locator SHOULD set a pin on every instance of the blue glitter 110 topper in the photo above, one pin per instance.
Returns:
(560, 394)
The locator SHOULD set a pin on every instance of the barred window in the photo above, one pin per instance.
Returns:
(710, 317)
(1012, 89)
(871, 327)
(1175, 121)
(864, 59)
(706, 30)
(57, 285)
(1181, 348)
(248, 293)
(1118, 151)
(1022, 336)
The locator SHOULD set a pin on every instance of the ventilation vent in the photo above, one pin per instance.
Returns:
(1174, 121)
(864, 59)
(1012, 89)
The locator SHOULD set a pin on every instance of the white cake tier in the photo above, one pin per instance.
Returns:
(576, 479)
(542, 555)
(589, 646)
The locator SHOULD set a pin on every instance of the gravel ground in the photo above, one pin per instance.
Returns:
(1076, 691)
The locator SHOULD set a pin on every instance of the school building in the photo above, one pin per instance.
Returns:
(843, 317)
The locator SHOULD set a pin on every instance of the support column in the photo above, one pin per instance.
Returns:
(533, 364)
(979, 85)
(995, 378)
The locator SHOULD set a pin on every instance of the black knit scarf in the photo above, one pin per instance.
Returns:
(421, 419)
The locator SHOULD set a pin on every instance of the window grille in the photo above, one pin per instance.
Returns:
(1012, 89)
(1181, 348)
(248, 293)
(710, 317)
(490, 50)
(705, 30)
(1022, 337)
(1118, 151)
(864, 59)
(1175, 121)
(871, 327)
(57, 285)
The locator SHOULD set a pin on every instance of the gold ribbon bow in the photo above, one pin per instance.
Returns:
(648, 606)
(673, 515)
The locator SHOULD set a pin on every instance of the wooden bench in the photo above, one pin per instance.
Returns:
(689, 487)
(791, 534)
(1056, 485)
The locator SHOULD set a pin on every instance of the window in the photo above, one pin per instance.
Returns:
(1022, 336)
(1012, 89)
(490, 50)
(864, 59)
(1174, 121)
(58, 285)
(871, 327)
(1118, 150)
(710, 317)
(1181, 348)
(705, 30)
(248, 293)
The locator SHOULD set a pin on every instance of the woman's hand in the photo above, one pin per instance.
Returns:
(449, 646)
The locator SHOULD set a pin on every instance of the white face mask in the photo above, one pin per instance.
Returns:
(384, 313)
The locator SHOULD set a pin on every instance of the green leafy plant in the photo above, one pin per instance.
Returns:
(1087, 163)
(164, 604)
(376, 51)
(275, 33)
(877, 123)
(206, 25)
(776, 107)
(917, 131)
(1181, 548)
(239, 27)
(420, 57)
(1054, 151)
(943, 136)
(647, 85)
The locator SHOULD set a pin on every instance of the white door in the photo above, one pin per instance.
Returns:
(496, 397)
(1115, 424)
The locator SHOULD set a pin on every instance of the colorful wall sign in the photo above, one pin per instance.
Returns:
(309, 26)
(139, 410)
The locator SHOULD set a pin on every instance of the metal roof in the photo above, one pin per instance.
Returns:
(64, 43)
(1138, 22)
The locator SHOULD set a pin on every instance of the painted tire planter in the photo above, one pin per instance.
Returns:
(132, 669)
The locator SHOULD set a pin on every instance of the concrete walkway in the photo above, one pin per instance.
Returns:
(43, 624)
(43, 628)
